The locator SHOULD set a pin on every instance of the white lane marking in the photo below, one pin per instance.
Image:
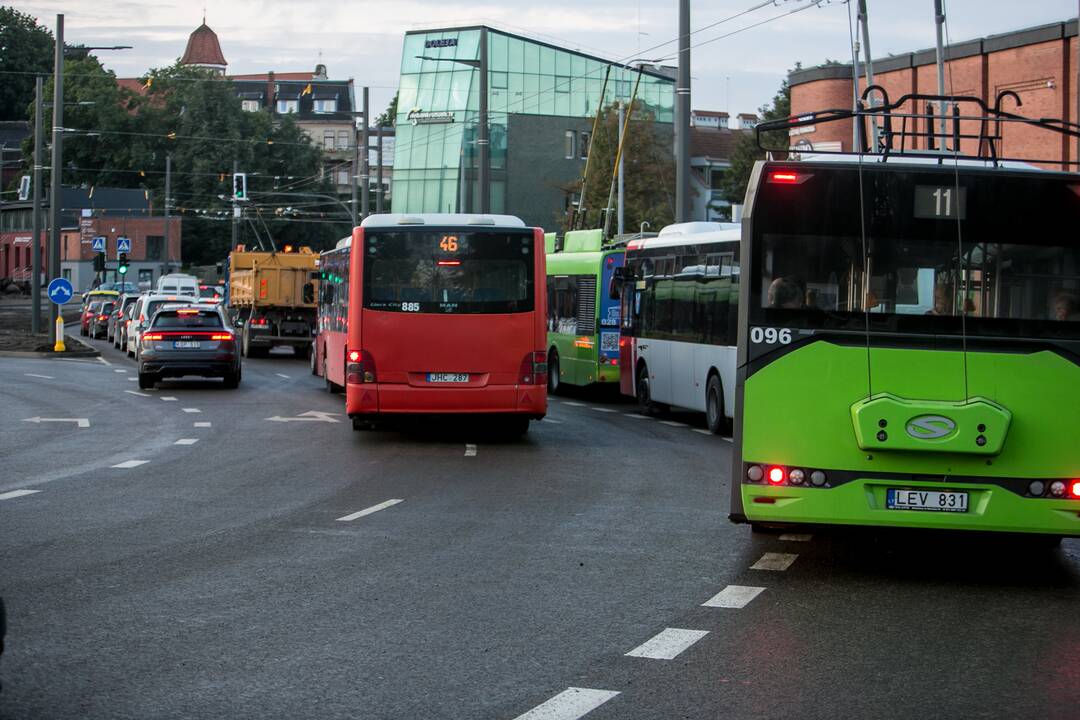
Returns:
(203, 424)
(796, 537)
(282, 375)
(192, 410)
(16, 493)
(168, 398)
(668, 644)
(119, 370)
(130, 464)
(571, 402)
(470, 450)
(553, 422)
(570, 704)
(135, 392)
(726, 439)
(132, 379)
(774, 561)
(81, 422)
(703, 431)
(373, 509)
(636, 416)
(733, 596)
(104, 361)
(600, 409)
(43, 377)
(186, 441)
(673, 423)
(309, 416)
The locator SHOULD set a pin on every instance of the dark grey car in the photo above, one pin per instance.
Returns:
(188, 340)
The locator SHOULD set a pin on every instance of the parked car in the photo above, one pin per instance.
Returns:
(120, 341)
(143, 313)
(116, 317)
(89, 310)
(99, 321)
(189, 340)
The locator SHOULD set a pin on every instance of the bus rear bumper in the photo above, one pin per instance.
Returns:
(862, 502)
(402, 399)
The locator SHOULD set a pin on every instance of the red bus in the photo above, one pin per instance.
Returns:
(434, 315)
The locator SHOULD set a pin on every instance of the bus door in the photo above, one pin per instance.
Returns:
(609, 353)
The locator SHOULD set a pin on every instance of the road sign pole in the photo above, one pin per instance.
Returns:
(59, 345)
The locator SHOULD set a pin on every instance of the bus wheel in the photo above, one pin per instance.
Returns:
(714, 407)
(644, 393)
(554, 381)
(311, 357)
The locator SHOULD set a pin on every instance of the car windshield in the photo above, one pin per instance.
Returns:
(188, 318)
(209, 291)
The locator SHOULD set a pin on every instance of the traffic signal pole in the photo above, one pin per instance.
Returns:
(236, 215)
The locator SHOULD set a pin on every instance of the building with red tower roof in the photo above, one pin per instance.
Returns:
(203, 49)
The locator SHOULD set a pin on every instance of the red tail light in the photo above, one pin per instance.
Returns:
(224, 337)
(1074, 489)
(533, 369)
(153, 336)
(361, 368)
(102, 317)
(776, 475)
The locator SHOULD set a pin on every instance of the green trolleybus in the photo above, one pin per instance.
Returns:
(583, 319)
(909, 344)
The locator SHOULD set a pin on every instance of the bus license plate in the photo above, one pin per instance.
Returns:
(186, 344)
(448, 377)
(931, 500)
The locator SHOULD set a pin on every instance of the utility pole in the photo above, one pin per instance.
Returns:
(365, 165)
(378, 170)
(235, 209)
(682, 118)
(168, 196)
(621, 205)
(482, 140)
(35, 254)
(939, 20)
(57, 163)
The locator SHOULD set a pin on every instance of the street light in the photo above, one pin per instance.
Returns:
(482, 129)
(82, 51)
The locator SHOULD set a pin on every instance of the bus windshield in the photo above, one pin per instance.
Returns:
(919, 271)
(449, 272)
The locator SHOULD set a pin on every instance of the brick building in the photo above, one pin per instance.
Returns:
(1039, 64)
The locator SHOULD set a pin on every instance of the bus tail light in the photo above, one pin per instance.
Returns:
(533, 369)
(780, 475)
(776, 475)
(361, 368)
(1074, 489)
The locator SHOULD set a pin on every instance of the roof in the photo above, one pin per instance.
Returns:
(203, 48)
(283, 76)
(440, 219)
(692, 233)
(716, 144)
(709, 113)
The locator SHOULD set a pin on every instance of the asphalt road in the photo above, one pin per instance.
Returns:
(202, 553)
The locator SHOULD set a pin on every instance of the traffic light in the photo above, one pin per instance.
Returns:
(122, 263)
(239, 183)
(99, 262)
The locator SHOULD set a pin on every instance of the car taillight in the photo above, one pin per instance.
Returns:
(360, 368)
(788, 177)
(102, 317)
(533, 369)
(224, 337)
(148, 337)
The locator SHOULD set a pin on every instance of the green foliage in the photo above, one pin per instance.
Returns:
(25, 47)
(389, 116)
(648, 171)
(747, 152)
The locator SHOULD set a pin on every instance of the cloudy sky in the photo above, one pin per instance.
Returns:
(362, 38)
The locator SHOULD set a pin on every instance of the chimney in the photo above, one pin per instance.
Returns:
(270, 99)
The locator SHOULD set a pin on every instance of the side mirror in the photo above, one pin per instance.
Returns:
(309, 293)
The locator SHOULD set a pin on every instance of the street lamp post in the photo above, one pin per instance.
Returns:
(482, 140)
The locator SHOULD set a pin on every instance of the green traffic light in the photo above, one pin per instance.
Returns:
(122, 270)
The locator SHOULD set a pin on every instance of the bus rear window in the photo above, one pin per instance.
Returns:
(449, 272)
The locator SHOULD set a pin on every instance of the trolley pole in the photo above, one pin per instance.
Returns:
(621, 205)
(57, 163)
(939, 20)
(682, 118)
(35, 253)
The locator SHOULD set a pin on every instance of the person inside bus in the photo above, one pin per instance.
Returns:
(941, 301)
(1066, 307)
(785, 293)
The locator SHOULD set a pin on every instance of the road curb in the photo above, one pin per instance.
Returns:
(88, 352)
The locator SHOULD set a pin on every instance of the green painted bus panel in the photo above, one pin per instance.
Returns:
(862, 502)
(888, 422)
(579, 241)
(797, 409)
(549, 242)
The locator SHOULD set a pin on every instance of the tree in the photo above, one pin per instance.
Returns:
(648, 170)
(746, 152)
(389, 116)
(25, 48)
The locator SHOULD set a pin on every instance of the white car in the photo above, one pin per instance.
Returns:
(145, 307)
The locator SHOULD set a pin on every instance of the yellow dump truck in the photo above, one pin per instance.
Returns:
(271, 298)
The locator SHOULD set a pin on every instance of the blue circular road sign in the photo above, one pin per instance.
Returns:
(60, 290)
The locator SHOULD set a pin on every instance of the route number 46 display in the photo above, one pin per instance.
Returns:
(770, 335)
(449, 243)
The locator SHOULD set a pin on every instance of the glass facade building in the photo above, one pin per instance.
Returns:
(538, 94)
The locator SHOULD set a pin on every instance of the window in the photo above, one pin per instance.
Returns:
(585, 145)
(155, 248)
(498, 80)
(343, 140)
(285, 107)
(326, 105)
(568, 144)
(328, 140)
(250, 105)
(343, 177)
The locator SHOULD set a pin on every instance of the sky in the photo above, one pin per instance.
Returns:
(362, 39)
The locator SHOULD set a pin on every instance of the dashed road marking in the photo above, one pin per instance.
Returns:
(168, 398)
(186, 441)
(203, 424)
(668, 644)
(103, 360)
(673, 423)
(192, 410)
(796, 537)
(726, 439)
(282, 375)
(130, 464)
(704, 431)
(470, 450)
(733, 596)
(16, 493)
(119, 370)
(373, 509)
(132, 379)
(602, 409)
(774, 561)
(553, 422)
(571, 402)
(136, 392)
(570, 704)
(637, 416)
(43, 377)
